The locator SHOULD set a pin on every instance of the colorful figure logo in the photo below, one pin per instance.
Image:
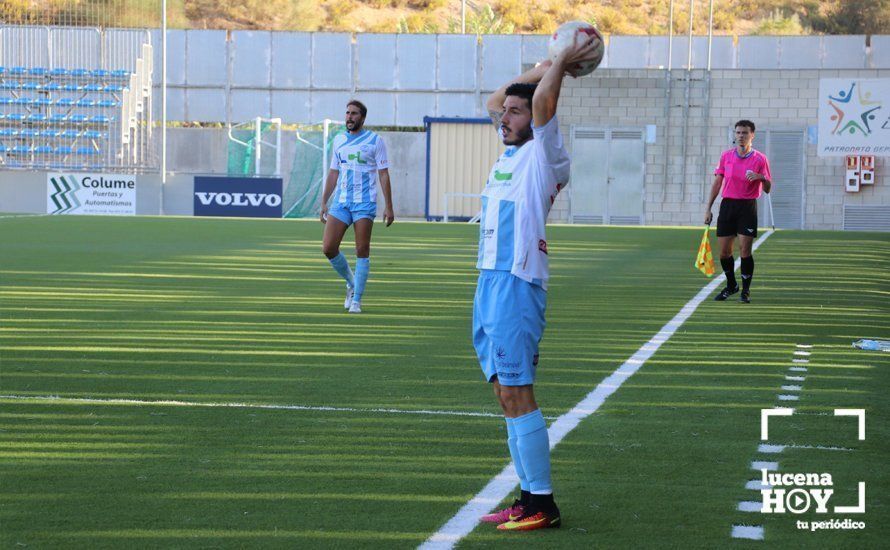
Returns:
(853, 116)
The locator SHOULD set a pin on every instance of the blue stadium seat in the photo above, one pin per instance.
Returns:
(7, 100)
(23, 101)
(72, 87)
(94, 134)
(106, 103)
(28, 133)
(2, 116)
(15, 117)
(38, 71)
(85, 102)
(114, 88)
(11, 85)
(120, 73)
(79, 73)
(43, 150)
(58, 71)
(18, 71)
(21, 150)
(51, 133)
(58, 118)
(52, 86)
(77, 119)
(3, 148)
(100, 119)
(88, 151)
(37, 117)
(8, 132)
(65, 102)
(30, 86)
(2, 71)
(100, 73)
(64, 150)
(69, 134)
(93, 88)
(42, 102)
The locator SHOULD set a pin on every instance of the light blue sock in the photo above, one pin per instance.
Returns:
(514, 454)
(533, 445)
(342, 267)
(362, 267)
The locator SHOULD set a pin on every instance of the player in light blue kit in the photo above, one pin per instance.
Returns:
(508, 309)
(358, 163)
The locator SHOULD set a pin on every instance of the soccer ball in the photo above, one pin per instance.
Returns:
(565, 36)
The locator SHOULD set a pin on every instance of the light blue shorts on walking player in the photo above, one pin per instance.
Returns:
(508, 323)
(350, 213)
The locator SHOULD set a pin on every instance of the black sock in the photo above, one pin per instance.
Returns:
(543, 502)
(524, 497)
(728, 265)
(747, 272)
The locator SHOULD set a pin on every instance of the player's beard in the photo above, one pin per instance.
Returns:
(354, 126)
(519, 136)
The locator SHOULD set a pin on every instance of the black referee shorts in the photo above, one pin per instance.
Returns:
(737, 217)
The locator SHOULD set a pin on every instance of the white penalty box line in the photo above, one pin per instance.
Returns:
(269, 406)
(766, 414)
(465, 520)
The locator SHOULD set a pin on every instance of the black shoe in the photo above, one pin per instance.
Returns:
(726, 293)
(745, 298)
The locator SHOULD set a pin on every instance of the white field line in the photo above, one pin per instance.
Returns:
(466, 519)
(171, 403)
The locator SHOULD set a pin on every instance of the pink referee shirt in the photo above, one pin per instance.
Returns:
(733, 169)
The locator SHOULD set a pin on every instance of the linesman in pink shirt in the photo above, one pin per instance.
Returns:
(742, 173)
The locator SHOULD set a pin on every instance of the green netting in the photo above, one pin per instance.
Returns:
(302, 196)
(242, 153)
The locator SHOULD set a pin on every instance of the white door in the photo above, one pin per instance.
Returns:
(607, 175)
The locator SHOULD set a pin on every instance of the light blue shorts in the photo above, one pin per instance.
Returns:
(508, 323)
(352, 212)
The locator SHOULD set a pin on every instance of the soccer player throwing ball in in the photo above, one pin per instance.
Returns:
(508, 309)
(358, 162)
(742, 172)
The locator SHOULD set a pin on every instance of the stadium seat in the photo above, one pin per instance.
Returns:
(3, 148)
(18, 71)
(58, 72)
(42, 102)
(64, 150)
(43, 150)
(93, 88)
(30, 86)
(79, 73)
(12, 85)
(7, 100)
(85, 102)
(100, 119)
(21, 150)
(36, 117)
(28, 133)
(77, 119)
(94, 134)
(58, 118)
(16, 117)
(87, 151)
(38, 71)
(69, 134)
(2, 71)
(8, 132)
(115, 88)
(120, 73)
(106, 103)
(72, 87)
(65, 102)
(52, 87)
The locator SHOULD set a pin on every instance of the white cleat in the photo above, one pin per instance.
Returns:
(355, 307)
(349, 293)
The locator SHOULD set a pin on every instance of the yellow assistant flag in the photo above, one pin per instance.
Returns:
(704, 261)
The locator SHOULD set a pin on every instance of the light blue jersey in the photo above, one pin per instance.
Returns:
(358, 157)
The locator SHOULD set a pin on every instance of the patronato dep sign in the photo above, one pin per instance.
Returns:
(854, 117)
(238, 197)
(91, 193)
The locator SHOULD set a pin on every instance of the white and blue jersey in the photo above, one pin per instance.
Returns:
(358, 157)
(517, 198)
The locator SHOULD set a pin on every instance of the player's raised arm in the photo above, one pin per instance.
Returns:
(495, 103)
(546, 97)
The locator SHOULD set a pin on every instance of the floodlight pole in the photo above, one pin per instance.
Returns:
(163, 100)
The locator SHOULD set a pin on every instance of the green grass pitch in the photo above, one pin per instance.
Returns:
(211, 311)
